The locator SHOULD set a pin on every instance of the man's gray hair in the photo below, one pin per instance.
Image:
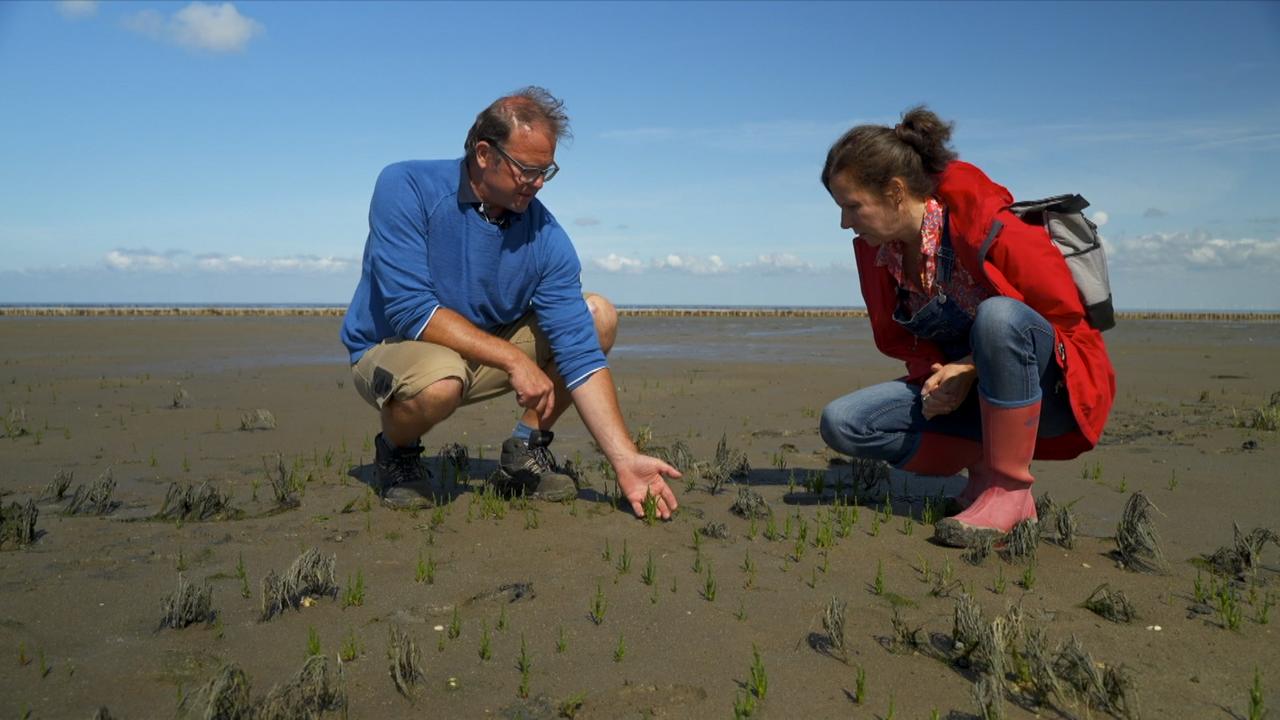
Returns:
(531, 106)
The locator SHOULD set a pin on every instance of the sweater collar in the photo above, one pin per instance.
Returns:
(467, 196)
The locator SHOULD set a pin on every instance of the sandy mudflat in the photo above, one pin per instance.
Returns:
(80, 608)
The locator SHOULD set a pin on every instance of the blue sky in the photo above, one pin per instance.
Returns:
(225, 152)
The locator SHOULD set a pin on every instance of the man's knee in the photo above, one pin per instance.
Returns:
(605, 317)
(435, 402)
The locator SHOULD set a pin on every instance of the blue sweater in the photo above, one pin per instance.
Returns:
(428, 249)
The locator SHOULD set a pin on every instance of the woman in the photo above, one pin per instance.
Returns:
(1002, 366)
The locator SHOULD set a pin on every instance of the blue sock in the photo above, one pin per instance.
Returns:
(522, 431)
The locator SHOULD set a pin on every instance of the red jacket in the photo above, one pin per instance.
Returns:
(1022, 263)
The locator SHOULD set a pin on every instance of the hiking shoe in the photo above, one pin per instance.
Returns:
(405, 482)
(530, 467)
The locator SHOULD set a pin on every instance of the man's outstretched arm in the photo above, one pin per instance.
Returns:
(638, 475)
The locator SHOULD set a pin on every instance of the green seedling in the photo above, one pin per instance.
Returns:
(455, 625)
(697, 561)
(744, 706)
(1000, 583)
(741, 612)
(1029, 576)
(608, 553)
(486, 651)
(759, 680)
(45, 668)
(1199, 592)
(751, 529)
(531, 519)
(350, 649)
(524, 664)
(929, 515)
(709, 585)
(908, 526)
(570, 706)
(502, 618)
(877, 585)
(562, 641)
(598, 606)
(620, 651)
(23, 660)
(860, 686)
(353, 596)
(749, 567)
(650, 571)
(624, 560)
(798, 550)
(1229, 606)
(1257, 709)
(650, 505)
(771, 529)
(1264, 609)
(313, 642)
(875, 525)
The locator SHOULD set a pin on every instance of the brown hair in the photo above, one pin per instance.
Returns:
(915, 150)
(530, 105)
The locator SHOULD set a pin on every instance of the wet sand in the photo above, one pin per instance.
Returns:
(80, 608)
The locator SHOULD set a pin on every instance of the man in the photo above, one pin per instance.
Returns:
(469, 289)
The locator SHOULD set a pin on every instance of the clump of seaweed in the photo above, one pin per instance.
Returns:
(225, 697)
(405, 661)
(676, 455)
(1044, 682)
(311, 692)
(1113, 605)
(15, 423)
(1064, 520)
(1075, 666)
(311, 575)
(181, 399)
(94, 498)
(978, 550)
(833, 623)
(56, 490)
(906, 639)
(732, 460)
(455, 456)
(750, 504)
(1045, 506)
(716, 530)
(1244, 555)
(18, 524)
(196, 503)
(867, 475)
(966, 628)
(1136, 539)
(1022, 541)
(259, 419)
(188, 605)
(281, 484)
(988, 695)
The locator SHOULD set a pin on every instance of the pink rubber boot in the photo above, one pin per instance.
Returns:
(1008, 444)
(945, 455)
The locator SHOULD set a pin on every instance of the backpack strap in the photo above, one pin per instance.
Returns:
(996, 227)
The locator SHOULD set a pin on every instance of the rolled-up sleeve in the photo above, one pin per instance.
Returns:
(398, 252)
(562, 312)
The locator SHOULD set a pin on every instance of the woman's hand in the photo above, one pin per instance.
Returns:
(947, 387)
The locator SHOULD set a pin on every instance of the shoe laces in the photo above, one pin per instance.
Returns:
(542, 457)
(405, 467)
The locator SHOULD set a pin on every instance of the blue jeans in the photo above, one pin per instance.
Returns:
(1012, 348)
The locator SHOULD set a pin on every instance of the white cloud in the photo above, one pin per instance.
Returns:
(1196, 250)
(772, 264)
(1100, 218)
(614, 262)
(77, 9)
(145, 260)
(692, 264)
(140, 259)
(199, 26)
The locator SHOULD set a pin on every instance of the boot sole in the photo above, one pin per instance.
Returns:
(953, 533)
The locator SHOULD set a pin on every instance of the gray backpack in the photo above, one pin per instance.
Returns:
(1063, 217)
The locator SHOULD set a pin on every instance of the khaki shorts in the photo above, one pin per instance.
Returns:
(400, 369)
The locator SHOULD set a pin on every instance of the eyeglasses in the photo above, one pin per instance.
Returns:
(528, 174)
